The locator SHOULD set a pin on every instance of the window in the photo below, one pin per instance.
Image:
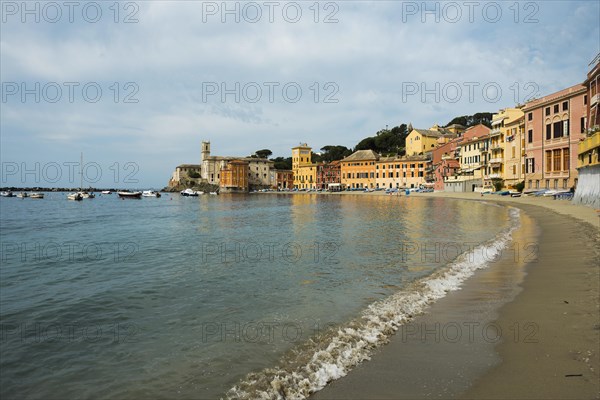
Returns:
(537, 183)
(530, 116)
(565, 106)
(566, 159)
(556, 184)
(565, 183)
(582, 124)
(556, 108)
(530, 136)
(557, 161)
(566, 127)
(513, 152)
(547, 183)
(514, 168)
(548, 161)
(548, 132)
(529, 184)
(558, 130)
(585, 100)
(547, 110)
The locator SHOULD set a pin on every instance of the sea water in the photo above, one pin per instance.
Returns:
(259, 295)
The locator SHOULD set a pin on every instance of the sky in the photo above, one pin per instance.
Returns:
(137, 85)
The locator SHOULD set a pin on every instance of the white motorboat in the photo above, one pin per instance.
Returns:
(86, 195)
(7, 194)
(150, 193)
(190, 193)
(214, 193)
(22, 195)
(106, 192)
(75, 196)
(37, 195)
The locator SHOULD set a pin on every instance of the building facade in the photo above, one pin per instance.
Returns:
(421, 141)
(358, 169)
(284, 179)
(259, 169)
(401, 172)
(554, 125)
(183, 172)
(328, 175)
(234, 177)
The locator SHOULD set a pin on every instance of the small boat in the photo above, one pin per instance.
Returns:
(7, 194)
(150, 193)
(22, 195)
(190, 193)
(75, 196)
(106, 192)
(130, 195)
(86, 195)
(214, 193)
(37, 195)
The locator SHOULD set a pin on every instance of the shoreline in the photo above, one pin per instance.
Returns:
(550, 322)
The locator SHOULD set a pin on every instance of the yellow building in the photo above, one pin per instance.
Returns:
(511, 124)
(421, 141)
(305, 172)
(358, 169)
(589, 151)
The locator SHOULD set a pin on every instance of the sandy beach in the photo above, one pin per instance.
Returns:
(528, 326)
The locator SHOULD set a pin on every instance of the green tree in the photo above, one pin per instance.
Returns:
(264, 153)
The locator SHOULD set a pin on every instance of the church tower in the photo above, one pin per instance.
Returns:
(205, 152)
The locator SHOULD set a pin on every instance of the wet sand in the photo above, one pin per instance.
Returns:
(526, 327)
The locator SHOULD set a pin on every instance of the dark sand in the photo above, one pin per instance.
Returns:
(526, 327)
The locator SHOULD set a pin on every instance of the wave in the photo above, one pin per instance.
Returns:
(308, 369)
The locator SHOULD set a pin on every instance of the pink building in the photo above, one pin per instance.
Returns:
(554, 124)
(445, 163)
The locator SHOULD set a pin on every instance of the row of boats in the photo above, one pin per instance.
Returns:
(194, 193)
(78, 196)
(23, 195)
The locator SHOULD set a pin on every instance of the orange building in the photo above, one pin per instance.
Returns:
(234, 177)
(284, 179)
(358, 169)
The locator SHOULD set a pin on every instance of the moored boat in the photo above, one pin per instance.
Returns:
(74, 196)
(106, 192)
(190, 193)
(150, 193)
(37, 195)
(7, 194)
(130, 195)
(22, 195)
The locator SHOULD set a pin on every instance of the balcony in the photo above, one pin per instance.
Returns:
(493, 176)
(495, 132)
(496, 161)
(589, 143)
(594, 99)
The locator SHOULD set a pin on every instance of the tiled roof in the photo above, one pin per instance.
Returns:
(189, 166)
(436, 134)
(362, 155)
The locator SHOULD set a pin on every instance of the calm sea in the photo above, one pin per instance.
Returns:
(217, 296)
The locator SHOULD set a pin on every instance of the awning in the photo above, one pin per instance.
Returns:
(497, 121)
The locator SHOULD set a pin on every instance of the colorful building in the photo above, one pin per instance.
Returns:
(304, 170)
(358, 169)
(513, 127)
(234, 177)
(473, 155)
(401, 172)
(329, 175)
(421, 141)
(259, 169)
(445, 162)
(554, 125)
(284, 179)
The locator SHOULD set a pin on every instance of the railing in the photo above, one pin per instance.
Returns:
(496, 161)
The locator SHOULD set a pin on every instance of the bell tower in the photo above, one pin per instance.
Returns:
(205, 152)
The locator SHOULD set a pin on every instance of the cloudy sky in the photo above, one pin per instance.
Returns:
(136, 86)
